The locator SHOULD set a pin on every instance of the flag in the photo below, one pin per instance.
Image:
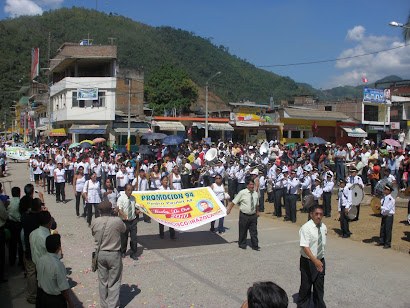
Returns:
(149, 130)
(364, 79)
(189, 131)
(35, 65)
(314, 125)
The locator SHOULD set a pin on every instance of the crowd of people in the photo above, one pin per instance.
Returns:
(252, 174)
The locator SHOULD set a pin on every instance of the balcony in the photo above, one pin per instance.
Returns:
(71, 83)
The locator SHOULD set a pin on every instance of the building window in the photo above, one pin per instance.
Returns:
(88, 103)
(328, 108)
(295, 134)
(371, 113)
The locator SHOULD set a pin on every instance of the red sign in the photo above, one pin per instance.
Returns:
(171, 210)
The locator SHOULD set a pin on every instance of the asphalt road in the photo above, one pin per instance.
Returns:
(201, 269)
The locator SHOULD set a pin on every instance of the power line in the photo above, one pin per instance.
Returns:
(333, 60)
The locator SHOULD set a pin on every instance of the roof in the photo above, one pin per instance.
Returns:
(24, 100)
(250, 104)
(314, 114)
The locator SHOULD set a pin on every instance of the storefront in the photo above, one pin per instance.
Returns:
(88, 132)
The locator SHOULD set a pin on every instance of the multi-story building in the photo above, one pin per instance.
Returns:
(88, 94)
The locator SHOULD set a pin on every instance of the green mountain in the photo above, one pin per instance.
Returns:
(139, 45)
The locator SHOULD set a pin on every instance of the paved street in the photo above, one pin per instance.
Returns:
(201, 269)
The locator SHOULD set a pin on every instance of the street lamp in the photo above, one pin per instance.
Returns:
(206, 104)
(397, 24)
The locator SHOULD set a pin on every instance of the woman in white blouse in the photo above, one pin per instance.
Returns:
(175, 179)
(219, 190)
(78, 186)
(155, 177)
(59, 178)
(163, 187)
(110, 194)
(92, 193)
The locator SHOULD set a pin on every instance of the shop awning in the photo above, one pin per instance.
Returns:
(89, 129)
(59, 132)
(247, 123)
(355, 132)
(169, 125)
(134, 131)
(220, 126)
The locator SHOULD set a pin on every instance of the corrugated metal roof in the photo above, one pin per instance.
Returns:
(24, 100)
(314, 114)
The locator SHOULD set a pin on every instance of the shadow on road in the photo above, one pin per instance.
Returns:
(127, 293)
(184, 239)
(406, 236)
(374, 239)
(404, 222)
(338, 231)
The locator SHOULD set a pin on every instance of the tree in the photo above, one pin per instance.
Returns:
(170, 89)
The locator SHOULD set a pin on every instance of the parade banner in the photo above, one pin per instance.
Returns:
(18, 153)
(181, 209)
(87, 94)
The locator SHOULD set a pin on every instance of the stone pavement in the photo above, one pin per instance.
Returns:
(201, 269)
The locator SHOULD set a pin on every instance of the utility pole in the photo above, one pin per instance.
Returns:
(206, 103)
(129, 115)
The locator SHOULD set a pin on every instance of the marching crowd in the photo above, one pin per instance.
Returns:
(253, 174)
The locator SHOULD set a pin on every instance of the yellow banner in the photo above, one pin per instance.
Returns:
(181, 209)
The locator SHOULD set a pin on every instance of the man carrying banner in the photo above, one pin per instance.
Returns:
(248, 202)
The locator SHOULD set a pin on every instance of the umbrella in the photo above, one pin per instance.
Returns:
(145, 151)
(392, 142)
(316, 140)
(73, 145)
(155, 136)
(89, 141)
(86, 145)
(66, 142)
(172, 140)
(99, 140)
(49, 141)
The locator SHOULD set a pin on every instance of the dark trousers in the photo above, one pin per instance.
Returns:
(89, 211)
(310, 276)
(364, 175)
(70, 176)
(15, 242)
(131, 231)
(278, 202)
(185, 181)
(327, 203)
(206, 180)
(77, 203)
(220, 225)
(240, 187)
(344, 222)
(261, 200)
(113, 179)
(50, 184)
(161, 231)
(292, 207)
(286, 205)
(232, 185)
(248, 222)
(386, 229)
(60, 190)
(2, 252)
(45, 300)
(358, 212)
(373, 183)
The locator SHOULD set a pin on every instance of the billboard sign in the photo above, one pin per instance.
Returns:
(372, 95)
(87, 94)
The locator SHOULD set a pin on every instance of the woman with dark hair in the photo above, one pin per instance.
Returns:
(266, 294)
(155, 177)
(109, 193)
(92, 193)
(78, 186)
(59, 177)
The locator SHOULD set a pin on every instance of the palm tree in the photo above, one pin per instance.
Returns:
(406, 30)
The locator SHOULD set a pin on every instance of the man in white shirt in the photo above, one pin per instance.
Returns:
(313, 238)
(122, 178)
(327, 195)
(345, 203)
(38, 237)
(387, 209)
(143, 185)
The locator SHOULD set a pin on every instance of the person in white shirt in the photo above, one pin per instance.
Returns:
(317, 191)
(327, 195)
(96, 167)
(164, 187)
(112, 171)
(240, 176)
(313, 238)
(262, 189)
(37, 171)
(344, 206)
(390, 177)
(278, 186)
(293, 184)
(143, 185)
(92, 195)
(122, 178)
(59, 178)
(49, 172)
(387, 209)
(130, 171)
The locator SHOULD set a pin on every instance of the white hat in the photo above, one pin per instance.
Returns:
(250, 147)
(255, 171)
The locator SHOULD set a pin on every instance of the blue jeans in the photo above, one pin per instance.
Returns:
(220, 225)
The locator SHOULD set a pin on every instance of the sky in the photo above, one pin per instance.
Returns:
(275, 32)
